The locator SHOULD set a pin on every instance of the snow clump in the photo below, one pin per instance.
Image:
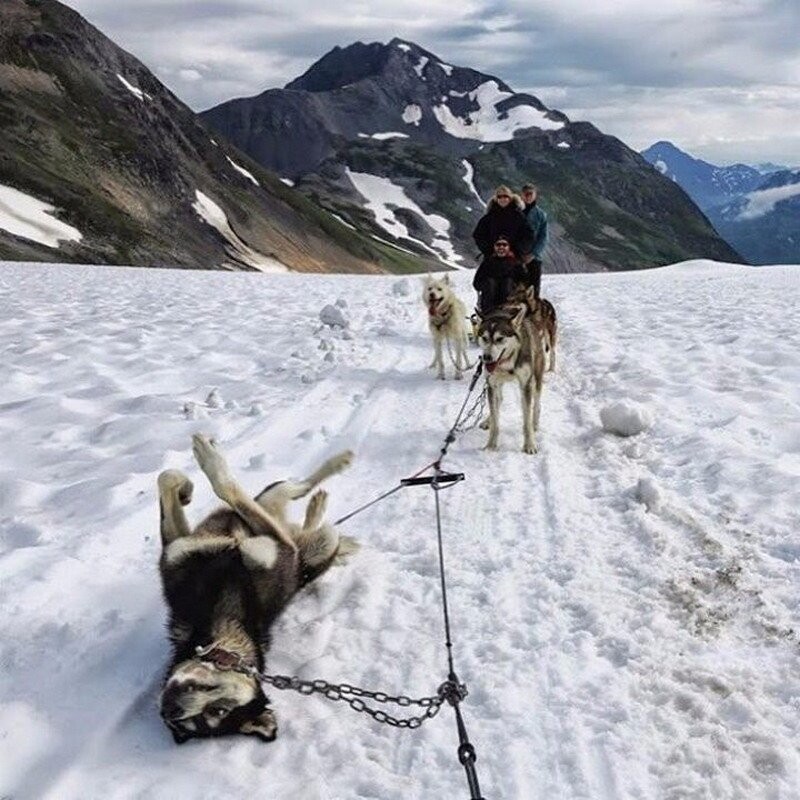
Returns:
(649, 494)
(333, 317)
(626, 418)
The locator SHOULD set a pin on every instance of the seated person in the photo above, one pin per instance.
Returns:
(497, 277)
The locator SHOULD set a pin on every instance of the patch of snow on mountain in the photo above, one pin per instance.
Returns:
(136, 92)
(404, 47)
(382, 196)
(243, 171)
(486, 124)
(412, 114)
(563, 145)
(419, 67)
(389, 135)
(342, 220)
(469, 179)
(29, 218)
(213, 215)
(287, 181)
(762, 202)
(661, 166)
(447, 68)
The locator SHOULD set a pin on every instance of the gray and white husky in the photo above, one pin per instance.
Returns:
(515, 339)
(447, 323)
(225, 582)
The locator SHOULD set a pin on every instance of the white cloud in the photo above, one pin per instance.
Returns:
(190, 75)
(674, 56)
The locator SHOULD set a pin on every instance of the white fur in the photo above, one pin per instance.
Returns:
(259, 551)
(447, 323)
(186, 546)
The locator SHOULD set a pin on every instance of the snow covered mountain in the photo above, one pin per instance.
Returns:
(764, 224)
(401, 144)
(707, 184)
(624, 609)
(99, 162)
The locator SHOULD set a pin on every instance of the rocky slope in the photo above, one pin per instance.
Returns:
(99, 162)
(404, 146)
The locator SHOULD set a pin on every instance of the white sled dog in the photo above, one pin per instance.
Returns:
(515, 339)
(225, 582)
(447, 324)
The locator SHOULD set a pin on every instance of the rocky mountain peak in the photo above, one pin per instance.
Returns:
(342, 67)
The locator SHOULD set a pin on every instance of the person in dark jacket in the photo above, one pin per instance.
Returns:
(537, 222)
(504, 217)
(497, 276)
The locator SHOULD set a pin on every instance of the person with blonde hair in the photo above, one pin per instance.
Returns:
(504, 218)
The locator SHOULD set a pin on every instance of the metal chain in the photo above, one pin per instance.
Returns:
(352, 695)
(473, 417)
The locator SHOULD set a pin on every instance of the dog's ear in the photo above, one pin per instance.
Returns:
(516, 320)
(264, 726)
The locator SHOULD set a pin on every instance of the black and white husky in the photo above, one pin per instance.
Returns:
(515, 339)
(225, 582)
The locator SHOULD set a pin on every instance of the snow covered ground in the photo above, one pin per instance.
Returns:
(625, 609)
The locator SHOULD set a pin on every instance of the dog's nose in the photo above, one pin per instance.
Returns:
(171, 710)
(486, 357)
(170, 707)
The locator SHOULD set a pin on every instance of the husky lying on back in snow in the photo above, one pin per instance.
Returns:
(515, 339)
(225, 582)
(446, 322)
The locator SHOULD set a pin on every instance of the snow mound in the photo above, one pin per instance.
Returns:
(333, 317)
(649, 493)
(626, 418)
(401, 288)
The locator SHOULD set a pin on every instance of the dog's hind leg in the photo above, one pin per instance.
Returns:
(227, 488)
(275, 498)
(553, 340)
(174, 492)
(315, 511)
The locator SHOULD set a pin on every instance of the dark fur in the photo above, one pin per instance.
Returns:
(225, 583)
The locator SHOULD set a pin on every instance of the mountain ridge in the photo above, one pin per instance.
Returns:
(741, 202)
(413, 119)
(88, 130)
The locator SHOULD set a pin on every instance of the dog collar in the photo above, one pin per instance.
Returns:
(223, 660)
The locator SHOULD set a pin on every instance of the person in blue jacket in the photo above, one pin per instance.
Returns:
(537, 222)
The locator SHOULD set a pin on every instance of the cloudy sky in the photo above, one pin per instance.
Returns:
(720, 78)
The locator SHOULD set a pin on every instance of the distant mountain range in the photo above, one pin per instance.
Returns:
(398, 142)
(378, 158)
(93, 148)
(755, 209)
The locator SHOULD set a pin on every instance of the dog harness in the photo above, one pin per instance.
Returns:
(443, 316)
